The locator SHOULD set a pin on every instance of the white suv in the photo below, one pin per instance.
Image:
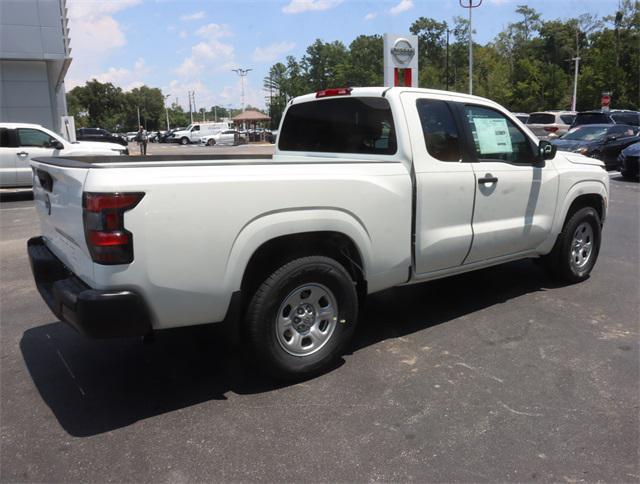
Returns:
(550, 124)
(21, 142)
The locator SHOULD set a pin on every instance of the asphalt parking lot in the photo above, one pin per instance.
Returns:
(196, 149)
(498, 375)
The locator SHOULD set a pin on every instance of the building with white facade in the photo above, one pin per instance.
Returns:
(34, 59)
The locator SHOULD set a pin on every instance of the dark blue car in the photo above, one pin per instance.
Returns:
(601, 141)
(629, 161)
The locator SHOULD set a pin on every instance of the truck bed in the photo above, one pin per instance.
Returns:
(152, 160)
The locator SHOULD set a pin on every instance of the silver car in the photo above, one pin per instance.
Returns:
(550, 124)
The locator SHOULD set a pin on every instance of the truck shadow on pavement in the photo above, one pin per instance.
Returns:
(97, 386)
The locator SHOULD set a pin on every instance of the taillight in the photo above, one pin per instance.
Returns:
(103, 213)
(338, 91)
(550, 129)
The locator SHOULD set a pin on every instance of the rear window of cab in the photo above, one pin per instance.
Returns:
(343, 125)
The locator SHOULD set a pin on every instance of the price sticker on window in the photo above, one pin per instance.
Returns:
(492, 135)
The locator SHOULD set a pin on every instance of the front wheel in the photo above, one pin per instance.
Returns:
(211, 142)
(301, 317)
(577, 248)
(184, 141)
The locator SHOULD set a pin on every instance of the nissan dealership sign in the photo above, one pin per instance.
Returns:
(400, 60)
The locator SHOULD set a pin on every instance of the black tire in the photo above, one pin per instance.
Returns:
(563, 260)
(628, 175)
(184, 141)
(263, 313)
(211, 142)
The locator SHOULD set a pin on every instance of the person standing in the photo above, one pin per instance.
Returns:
(142, 138)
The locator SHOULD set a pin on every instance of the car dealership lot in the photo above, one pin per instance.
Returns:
(494, 375)
(196, 149)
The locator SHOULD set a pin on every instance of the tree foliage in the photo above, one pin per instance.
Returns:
(526, 67)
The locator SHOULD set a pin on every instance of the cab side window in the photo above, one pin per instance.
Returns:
(496, 137)
(196, 128)
(440, 130)
(34, 137)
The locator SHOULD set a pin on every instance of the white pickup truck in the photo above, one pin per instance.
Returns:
(368, 188)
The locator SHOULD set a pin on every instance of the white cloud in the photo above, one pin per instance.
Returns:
(371, 15)
(94, 34)
(183, 34)
(214, 31)
(298, 6)
(193, 16)
(403, 6)
(272, 52)
(125, 78)
(208, 51)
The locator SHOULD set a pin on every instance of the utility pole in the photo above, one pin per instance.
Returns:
(242, 73)
(470, 5)
(215, 113)
(576, 59)
(166, 110)
(138, 109)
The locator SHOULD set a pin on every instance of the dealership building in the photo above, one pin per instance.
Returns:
(34, 59)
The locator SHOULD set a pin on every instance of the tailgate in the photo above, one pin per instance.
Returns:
(57, 192)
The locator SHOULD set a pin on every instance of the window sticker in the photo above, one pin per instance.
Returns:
(493, 135)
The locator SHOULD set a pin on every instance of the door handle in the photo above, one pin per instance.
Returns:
(22, 153)
(488, 178)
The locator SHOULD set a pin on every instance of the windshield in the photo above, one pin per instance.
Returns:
(586, 133)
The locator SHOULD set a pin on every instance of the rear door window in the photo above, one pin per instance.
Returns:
(626, 118)
(568, 118)
(591, 118)
(541, 118)
(440, 130)
(344, 125)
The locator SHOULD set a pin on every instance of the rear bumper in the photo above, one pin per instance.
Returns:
(93, 313)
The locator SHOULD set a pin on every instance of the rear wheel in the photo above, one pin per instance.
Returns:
(184, 141)
(577, 248)
(211, 142)
(301, 317)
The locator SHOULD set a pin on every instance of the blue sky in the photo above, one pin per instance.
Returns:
(182, 45)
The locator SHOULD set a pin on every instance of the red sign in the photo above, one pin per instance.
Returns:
(605, 100)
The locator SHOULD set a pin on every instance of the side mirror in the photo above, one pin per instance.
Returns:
(57, 145)
(546, 150)
(610, 138)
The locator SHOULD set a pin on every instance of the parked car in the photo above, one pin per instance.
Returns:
(21, 142)
(98, 134)
(629, 161)
(523, 117)
(195, 131)
(601, 141)
(550, 124)
(369, 188)
(272, 136)
(131, 136)
(226, 137)
(615, 116)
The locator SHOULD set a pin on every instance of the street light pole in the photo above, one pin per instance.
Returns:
(166, 110)
(242, 73)
(576, 59)
(470, 5)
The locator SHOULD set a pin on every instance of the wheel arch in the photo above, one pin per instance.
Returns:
(273, 239)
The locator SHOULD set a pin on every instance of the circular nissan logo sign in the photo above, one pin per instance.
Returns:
(402, 51)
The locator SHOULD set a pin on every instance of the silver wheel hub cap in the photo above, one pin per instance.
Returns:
(306, 319)
(582, 245)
